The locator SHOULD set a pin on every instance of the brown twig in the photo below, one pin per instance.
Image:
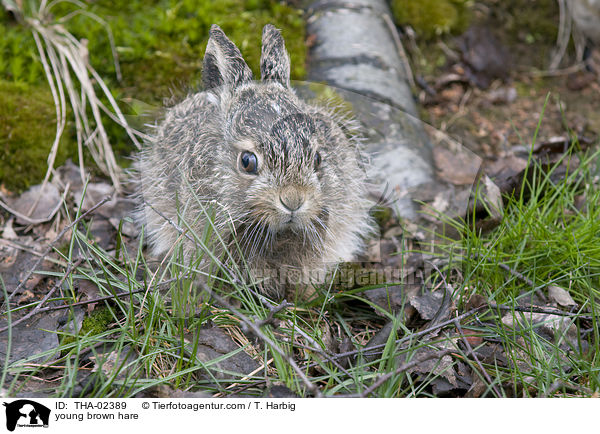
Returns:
(535, 309)
(519, 276)
(31, 250)
(558, 384)
(241, 389)
(272, 311)
(474, 355)
(491, 306)
(54, 241)
(402, 368)
(407, 338)
(106, 297)
(256, 330)
(95, 300)
(37, 308)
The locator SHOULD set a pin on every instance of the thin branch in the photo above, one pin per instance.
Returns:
(518, 275)
(415, 335)
(467, 314)
(37, 308)
(402, 368)
(241, 389)
(31, 250)
(272, 311)
(535, 309)
(53, 242)
(474, 355)
(86, 302)
(400, 49)
(94, 300)
(561, 384)
(256, 330)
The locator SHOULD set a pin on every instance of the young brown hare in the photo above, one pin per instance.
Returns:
(279, 180)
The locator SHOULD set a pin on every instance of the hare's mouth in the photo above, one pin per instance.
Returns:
(291, 221)
(282, 235)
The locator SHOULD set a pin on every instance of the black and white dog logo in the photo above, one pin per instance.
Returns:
(26, 413)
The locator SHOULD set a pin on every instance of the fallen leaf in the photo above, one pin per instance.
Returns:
(17, 260)
(89, 291)
(70, 174)
(506, 167)
(561, 296)
(493, 198)
(8, 233)
(549, 326)
(476, 301)
(117, 363)
(38, 204)
(35, 336)
(442, 369)
(484, 56)
(433, 305)
(212, 344)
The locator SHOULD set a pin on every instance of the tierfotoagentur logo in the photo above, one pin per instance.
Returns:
(25, 413)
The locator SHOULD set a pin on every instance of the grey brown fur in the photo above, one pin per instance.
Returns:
(299, 211)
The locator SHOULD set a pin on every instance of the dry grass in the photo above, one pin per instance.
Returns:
(75, 84)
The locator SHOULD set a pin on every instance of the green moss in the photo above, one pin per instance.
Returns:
(18, 54)
(430, 18)
(97, 322)
(94, 324)
(27, 130)
(160, 43)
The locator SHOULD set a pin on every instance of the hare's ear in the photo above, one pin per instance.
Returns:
(274, 60)
(223, 62)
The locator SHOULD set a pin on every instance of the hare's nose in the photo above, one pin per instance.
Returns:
(292, 201)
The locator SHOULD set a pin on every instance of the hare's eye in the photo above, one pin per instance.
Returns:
(317, 160)
(249, 162)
